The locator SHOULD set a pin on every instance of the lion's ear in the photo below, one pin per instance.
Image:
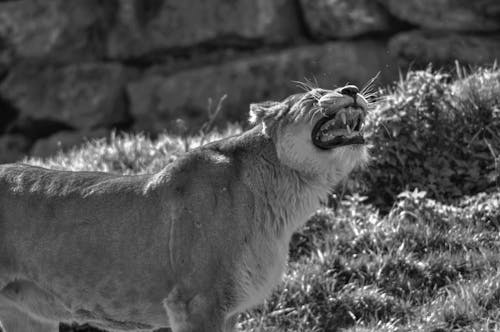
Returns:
(267, 110)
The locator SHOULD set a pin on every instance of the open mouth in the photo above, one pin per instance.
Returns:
(342, 128)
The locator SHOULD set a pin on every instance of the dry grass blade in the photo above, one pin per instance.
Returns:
(212, 116)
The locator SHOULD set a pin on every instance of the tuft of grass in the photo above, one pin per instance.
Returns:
(431, 130)
(130, 153)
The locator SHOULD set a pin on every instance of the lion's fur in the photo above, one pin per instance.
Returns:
(205, 238)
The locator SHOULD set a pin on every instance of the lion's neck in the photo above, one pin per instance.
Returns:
(291, 198)
(286, 198)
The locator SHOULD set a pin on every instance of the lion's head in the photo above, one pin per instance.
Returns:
(319, 132)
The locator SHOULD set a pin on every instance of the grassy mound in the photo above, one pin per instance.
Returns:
(430, 264)
(435, 132)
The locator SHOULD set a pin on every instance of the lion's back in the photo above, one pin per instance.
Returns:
(27, 194)
(44, 212)
(84, 229)
(30, 197)
(26, 179)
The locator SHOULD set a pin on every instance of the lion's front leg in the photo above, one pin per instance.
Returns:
(14, 320)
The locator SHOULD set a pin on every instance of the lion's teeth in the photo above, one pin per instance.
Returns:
(344, 118)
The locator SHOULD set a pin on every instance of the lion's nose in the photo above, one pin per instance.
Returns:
(349, 90)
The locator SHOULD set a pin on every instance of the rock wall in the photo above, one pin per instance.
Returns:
(71, 69)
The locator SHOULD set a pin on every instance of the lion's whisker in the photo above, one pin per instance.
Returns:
(315, 111)
(303, 86)
(369, 84)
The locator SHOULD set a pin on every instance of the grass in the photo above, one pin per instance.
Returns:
(428, 107)
(422, 265)
(129, 153)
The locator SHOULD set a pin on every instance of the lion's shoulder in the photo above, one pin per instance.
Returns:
(203, 166)
(217, 168)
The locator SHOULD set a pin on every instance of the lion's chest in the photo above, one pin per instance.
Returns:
(260, 270)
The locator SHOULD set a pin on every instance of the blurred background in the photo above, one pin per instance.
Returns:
(72, 69)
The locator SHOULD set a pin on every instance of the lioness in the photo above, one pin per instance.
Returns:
(189, 247)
